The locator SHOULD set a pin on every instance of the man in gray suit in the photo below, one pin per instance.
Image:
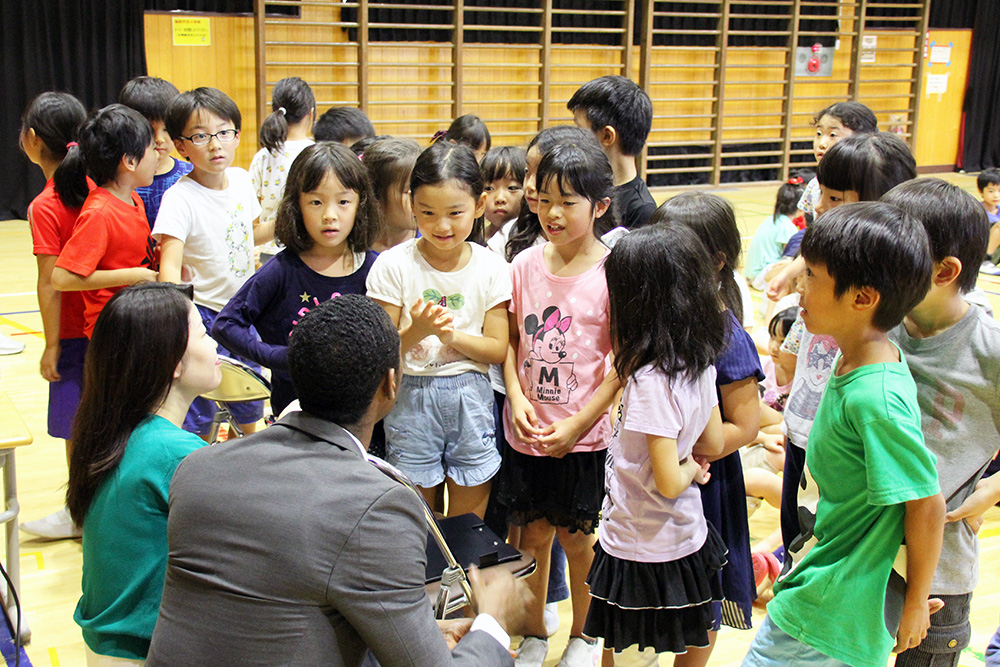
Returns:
(288, 548)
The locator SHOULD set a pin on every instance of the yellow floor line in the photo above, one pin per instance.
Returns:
(21, 327)
(54, 657)
(39, 561)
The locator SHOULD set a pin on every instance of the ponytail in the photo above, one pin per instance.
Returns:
(291, 100)
(70, 177)
(274, 131)
(56, 119)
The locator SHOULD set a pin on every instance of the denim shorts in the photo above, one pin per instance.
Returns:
(443, 426)
(773, 647)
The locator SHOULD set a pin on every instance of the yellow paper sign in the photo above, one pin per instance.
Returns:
(192, 31)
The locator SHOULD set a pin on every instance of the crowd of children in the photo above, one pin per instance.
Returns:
(576, 365)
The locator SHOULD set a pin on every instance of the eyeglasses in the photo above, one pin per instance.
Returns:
(201, 138)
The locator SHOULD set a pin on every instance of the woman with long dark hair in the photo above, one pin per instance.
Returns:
(148, 358)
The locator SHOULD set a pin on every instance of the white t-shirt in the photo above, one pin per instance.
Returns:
(268, 173)
(741, 282)
(217, 229)
(401, 276)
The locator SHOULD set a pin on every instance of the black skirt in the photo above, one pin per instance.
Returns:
(666, 606)
(567, 492)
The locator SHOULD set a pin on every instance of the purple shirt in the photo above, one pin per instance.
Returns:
(640, 524)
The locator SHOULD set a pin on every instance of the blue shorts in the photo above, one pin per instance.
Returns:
(64, 395)
(773, 647)
(443, 426)
(199, 417)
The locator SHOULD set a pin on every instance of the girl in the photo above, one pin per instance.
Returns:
(558, 393)
(449, 299)
(503, 172)
(737, 374)
(469, 130)
(149, 357)
(327, 222)
(772, 235)
(283, 135)
(49, 126)
(389, 163)
(654, 574)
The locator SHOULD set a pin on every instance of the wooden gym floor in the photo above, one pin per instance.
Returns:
(50, 571)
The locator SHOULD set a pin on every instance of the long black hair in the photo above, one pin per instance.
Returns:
(664, 305)
(713, 220)
(291, 100)
(140, 337)
(527, 228)
(56, 119)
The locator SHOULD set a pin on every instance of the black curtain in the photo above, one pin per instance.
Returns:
(86, 47)
(953, 14)
(981, 149)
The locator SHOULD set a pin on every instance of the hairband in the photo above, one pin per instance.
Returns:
(795, 180)
(71, 145)
(281, 110)
(438, 135)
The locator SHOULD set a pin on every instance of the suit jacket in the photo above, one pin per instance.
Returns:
(288, 548)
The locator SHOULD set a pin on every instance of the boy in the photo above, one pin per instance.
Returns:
(988, 183)
(207, 222)
(868, 264)
(149, 96)
(953, 351)
(345, 125)
(620, 114)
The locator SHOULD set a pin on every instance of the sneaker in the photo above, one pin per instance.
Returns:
(10, 346)
(580, 653)
(551, 618)
(531, 652)
(56, 526)
(989, 268)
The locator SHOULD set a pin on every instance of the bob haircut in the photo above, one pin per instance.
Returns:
(855, 116)
(308, 170)
(956, 224)
(338, 356)
(140, 337)
(664, 304)
(504, 162)
(869, 164)
(874, 245)
(782, 322)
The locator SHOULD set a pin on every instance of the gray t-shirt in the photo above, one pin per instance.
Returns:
(958, 388)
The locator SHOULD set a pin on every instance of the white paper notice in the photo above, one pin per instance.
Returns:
(940, 55)
(937, 83)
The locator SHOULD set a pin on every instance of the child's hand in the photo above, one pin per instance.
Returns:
(558, 439)
(702, 475)
(975, 506)
(772, 442)
(142, 274)
(48, 364)
(914, 623)
(524, 420)
(429, 318)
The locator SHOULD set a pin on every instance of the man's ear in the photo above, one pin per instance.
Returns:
(391, 383)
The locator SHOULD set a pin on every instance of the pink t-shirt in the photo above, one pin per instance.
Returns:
(638, 523)
(563, 344)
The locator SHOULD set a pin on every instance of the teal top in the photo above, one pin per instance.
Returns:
(767, 244)
(125, 542)
(867, 455)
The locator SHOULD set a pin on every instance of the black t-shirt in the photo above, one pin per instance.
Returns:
(634, 204)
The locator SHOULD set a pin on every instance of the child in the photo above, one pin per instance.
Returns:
(737, 374)
(952, 349)
(868, 265)
(620, 114)
(110, 247)
(389, 163)
(150, 96)
(558, 391)
(772, 235)
(283, 135)
(503, 171)
(988, 183)
(653, 580)
(469, 130)
(345, 125)
(206, 225)
(448, 297)
(50, 124)
(326, 222)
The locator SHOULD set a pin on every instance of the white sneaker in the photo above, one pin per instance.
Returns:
(989, 268)
(580, 653)
(56, 526)
(531, 652)
(10, 346)
(551, 618)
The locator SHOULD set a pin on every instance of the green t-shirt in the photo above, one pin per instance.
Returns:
(125, 542)
(867, 455)
(768, 242)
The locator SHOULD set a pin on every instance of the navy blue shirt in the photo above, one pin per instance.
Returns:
(273, 301)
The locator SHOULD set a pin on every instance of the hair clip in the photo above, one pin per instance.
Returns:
(71, 145)
(795, 180)
(281, 110)
(438, 135)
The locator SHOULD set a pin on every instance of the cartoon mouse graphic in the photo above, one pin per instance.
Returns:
(548, 350)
